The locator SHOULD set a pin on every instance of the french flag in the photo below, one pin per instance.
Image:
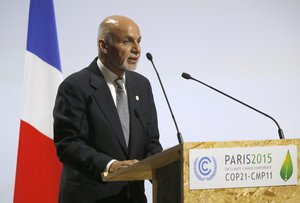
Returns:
(38, 168)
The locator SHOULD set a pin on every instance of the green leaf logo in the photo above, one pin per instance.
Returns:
(287, 167)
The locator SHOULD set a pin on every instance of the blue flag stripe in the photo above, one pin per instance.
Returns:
(42, 38)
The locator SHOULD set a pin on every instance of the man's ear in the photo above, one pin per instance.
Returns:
(102, 46)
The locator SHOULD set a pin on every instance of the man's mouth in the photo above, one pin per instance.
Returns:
(133, 59)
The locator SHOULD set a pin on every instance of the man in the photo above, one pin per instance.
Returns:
(102, 125)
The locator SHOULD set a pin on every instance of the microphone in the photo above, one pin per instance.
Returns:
(280, 132)
(179, 136)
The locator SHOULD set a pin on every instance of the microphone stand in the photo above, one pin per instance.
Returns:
(179, 136)
(280, 132)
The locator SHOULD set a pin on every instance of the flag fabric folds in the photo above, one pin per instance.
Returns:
(38, 169)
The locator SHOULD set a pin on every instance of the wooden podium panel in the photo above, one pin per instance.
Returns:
(169, 172)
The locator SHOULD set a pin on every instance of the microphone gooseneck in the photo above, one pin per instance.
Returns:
(179, 136)
(280, 132)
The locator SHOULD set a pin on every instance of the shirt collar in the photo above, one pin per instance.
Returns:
(108, 75)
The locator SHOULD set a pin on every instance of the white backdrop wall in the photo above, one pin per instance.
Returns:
(249, 49)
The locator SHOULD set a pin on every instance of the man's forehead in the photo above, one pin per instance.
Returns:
(126, 31)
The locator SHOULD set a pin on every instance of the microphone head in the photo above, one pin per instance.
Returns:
(149, 56)
(186, 76)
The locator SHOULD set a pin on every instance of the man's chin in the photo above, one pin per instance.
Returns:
(129, 67)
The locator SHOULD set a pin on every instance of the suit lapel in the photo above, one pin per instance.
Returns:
(105, 102)
(133, 103)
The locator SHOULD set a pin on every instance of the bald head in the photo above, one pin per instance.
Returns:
(114, 24)
(118, 43)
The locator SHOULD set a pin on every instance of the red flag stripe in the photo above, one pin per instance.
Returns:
(36, 158)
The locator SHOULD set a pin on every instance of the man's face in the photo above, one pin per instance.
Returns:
(123, 51)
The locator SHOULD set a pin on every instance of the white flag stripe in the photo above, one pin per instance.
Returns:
(40, 88)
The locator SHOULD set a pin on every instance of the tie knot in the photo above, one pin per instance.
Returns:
(119, 83)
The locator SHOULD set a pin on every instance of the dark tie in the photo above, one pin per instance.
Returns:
(122, 107)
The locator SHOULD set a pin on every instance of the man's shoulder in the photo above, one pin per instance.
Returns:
(139, 78)
(81, 76)
(75, 81)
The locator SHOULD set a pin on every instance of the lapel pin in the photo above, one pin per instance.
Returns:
(137, 98)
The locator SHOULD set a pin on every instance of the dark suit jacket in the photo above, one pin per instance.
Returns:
(88, 133)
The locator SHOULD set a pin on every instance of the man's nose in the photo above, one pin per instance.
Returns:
(136, 48)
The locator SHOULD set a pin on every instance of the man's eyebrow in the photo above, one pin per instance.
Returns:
(131, 38)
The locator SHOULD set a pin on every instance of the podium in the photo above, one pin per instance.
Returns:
(169, 172)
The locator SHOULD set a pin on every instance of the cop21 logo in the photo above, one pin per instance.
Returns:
(205, 168)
